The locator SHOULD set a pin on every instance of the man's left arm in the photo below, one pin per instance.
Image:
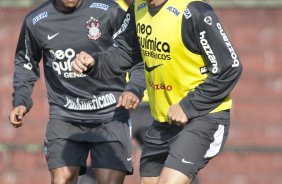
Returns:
(221, 60)
(135, 87)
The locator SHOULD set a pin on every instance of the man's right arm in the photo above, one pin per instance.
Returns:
(26, 69)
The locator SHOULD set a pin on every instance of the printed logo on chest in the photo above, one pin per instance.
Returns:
(93, 27)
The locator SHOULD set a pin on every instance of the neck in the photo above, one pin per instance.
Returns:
(65, 6)
(155, 2)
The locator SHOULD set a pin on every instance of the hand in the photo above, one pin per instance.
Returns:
(82, 62)
(128, 100)
(176, 115)
(16, 116)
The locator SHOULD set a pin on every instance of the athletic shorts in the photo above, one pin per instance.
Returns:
(186, 149)
(69, 144)
(141, 119)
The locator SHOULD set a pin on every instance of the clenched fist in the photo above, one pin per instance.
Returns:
(16, 116)
(176, 115)
(82, 62)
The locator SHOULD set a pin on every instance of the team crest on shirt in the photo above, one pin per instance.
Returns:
(93, 27)
(208, 20)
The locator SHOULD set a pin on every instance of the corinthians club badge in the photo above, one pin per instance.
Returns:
(93, 27)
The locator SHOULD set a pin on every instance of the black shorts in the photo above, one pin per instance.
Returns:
(141, 119)
(69, 144)
(186, 149)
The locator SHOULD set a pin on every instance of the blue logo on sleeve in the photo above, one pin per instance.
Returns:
(187, 13)
(141, 6)
(39, 17)
(100, 6)
(173, 10)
